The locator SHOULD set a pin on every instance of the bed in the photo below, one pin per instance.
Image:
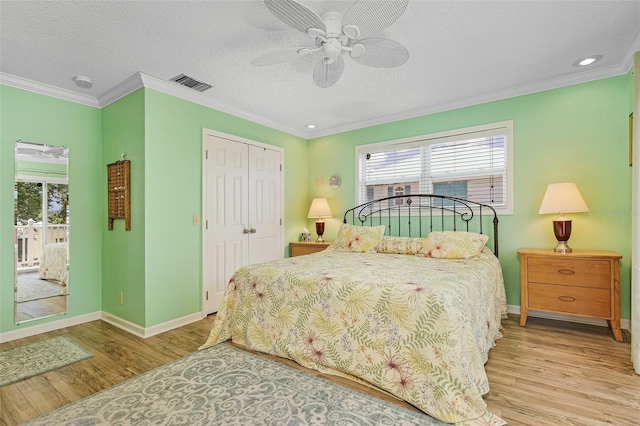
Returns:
(54, 265)
(408, 299)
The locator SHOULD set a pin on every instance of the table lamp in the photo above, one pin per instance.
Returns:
(562, 198)
(319, 209)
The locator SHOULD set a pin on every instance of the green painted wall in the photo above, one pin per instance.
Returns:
(173, 175)
(123, 252)
(42, 119)
(160, 258)
(577, 133)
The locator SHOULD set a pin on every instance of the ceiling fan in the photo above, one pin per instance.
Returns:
(334, 34)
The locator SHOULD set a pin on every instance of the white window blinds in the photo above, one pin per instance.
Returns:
(469, 163)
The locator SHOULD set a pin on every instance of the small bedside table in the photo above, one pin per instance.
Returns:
(299, 248)
(584, 283)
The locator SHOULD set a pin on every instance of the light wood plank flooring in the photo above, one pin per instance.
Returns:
(549, 373)
(39, 308)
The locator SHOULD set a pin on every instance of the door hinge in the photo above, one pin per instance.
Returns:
(207, 297)
(206, 224)
(280, 167)
(280, 221)
(206, 154)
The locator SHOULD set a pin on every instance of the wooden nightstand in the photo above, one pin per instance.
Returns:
(583, 283)
(299, 248)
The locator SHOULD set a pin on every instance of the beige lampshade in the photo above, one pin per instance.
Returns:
(319, 208)
(562, 198)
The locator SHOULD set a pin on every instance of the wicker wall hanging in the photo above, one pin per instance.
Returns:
(119, 190)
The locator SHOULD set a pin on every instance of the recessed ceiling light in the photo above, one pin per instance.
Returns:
(83, 82)
(583, 62)
(311, 126)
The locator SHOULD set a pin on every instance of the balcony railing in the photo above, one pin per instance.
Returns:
(29, 242)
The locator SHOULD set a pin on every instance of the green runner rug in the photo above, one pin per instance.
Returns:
(37, 358)
(223, 385)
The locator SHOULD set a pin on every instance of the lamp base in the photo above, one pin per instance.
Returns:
(562, 231)
(320, 230)
(563, 247)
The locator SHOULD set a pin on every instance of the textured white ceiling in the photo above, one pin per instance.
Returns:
(462, 53)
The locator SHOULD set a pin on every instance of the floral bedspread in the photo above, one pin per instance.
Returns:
(54, 263)
(417, 327)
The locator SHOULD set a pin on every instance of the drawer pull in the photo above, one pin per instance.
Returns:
(567, 298)
(566, 271)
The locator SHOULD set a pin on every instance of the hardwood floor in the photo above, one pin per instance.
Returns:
(39, 308)
(549, 373)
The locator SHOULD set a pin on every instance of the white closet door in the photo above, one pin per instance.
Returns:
(265, 240)
(242, 211)
(225, 245)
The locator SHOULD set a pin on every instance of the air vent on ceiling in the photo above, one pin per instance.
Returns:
(185, 80)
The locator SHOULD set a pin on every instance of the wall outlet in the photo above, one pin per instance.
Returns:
(120, 298)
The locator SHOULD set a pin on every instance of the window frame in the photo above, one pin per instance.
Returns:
(505, 127)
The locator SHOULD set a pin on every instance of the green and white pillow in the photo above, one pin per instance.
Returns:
(401, 245)
(454, 244)
(358, 238)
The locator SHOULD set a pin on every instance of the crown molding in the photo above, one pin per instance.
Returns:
(627, 61)
(195, 97)
(140, 79)
(553, 83)
(121, 90)
(47, 90)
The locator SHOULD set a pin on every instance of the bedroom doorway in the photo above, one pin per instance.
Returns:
(241, 209)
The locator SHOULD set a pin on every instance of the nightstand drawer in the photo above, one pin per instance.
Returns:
(582, 282)
(570, 271)
(299, 248)
(594, 302)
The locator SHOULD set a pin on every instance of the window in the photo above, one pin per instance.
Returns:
(472, 163)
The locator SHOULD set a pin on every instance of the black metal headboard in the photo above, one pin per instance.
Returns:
(418, 214)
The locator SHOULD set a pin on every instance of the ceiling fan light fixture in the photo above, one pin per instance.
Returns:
(357, 50)
(332, 49)
(588, 60)
(363, 20)
(315, 32)
(351, 31)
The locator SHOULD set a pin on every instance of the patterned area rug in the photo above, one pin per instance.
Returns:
(30, 287)
(223, 385)
(37, 358)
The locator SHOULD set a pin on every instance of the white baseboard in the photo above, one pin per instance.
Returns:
(170, 325)
(515, 309)
(32, 330)
(123, 324)
(135, 329)
(140, 331)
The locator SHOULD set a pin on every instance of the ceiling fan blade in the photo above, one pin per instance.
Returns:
(276, 57)
(382, 53)
(326, 75)
(374, 16)
(295, 15)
